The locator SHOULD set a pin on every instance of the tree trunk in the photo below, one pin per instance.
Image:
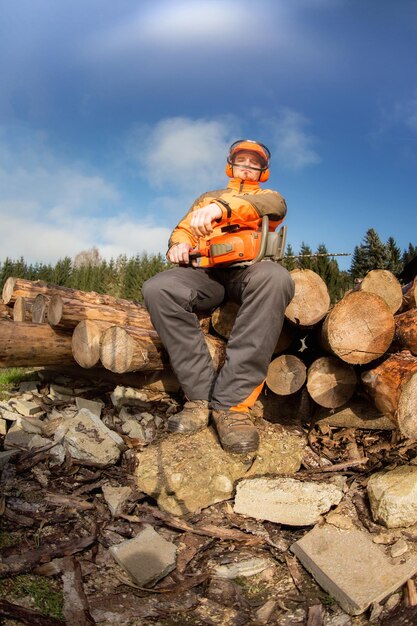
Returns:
(133, 349)
(21, 310)
(357, 413)
(393, 388)
(286, 375)
(65, 312)
(86, 340)
(384, 284)
(311, 300)
(359, 328)
(25, 344)
(406, 330)
(331, 382)
(14, 287)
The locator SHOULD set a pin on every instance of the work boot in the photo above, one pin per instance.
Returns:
(193, 417)
(236, 431)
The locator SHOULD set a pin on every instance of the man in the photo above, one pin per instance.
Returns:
(263, 291)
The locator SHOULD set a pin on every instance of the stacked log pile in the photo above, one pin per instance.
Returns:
(367, 342)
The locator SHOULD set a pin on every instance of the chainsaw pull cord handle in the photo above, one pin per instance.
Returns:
(264, 241)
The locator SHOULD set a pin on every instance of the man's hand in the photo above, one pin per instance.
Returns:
(179, 253)
(201, 219)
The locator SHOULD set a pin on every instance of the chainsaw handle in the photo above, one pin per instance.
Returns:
(264, 241)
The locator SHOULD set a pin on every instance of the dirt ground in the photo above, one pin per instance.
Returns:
(56, 530)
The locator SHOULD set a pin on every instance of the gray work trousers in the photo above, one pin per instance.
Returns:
(263, 290)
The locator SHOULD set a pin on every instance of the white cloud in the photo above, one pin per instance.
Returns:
(290, 143)
(183, 153)
(53, 209)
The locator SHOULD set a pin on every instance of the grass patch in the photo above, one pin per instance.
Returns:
(43, 592)
(10, 377)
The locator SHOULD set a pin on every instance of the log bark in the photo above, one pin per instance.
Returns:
(331, 382)
(14, 287)
(86, 340)
(21, 310)
(132, 349)
(286, 375)
(25, 344)
(406, 330)
(66, 312)
(311, 299)
(357, 413)
(393, 388)
(39, 308)
(359, 329)
(384, 284)
(409, 296)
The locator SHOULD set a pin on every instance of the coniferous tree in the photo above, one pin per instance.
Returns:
(288, 261)
(394, 260)
(305, 261)
(62, 272)
(371, 254)
(409, 254)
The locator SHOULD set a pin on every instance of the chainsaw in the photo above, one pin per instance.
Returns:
(240, 247)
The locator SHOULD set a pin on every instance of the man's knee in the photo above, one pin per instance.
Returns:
(153, 287)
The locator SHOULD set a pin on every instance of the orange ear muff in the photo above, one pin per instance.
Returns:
(264, 176)
(229, 169)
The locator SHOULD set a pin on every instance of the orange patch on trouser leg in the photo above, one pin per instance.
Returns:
(244, 406)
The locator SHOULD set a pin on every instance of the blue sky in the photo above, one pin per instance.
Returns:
(114, 116)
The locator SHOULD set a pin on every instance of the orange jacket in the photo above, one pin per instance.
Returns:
(242, 202)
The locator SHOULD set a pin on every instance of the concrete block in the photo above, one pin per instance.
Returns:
(147, 558)
(350, 567)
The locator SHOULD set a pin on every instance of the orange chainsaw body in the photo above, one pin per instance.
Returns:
(226, 249)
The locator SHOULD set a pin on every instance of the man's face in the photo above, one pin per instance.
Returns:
(243, 163)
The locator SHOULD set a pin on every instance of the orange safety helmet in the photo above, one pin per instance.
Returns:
(252, 146)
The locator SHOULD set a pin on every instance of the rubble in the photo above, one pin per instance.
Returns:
(393, 496)
(89, 441)
(286, 500)
(120, 474)
(147, 558)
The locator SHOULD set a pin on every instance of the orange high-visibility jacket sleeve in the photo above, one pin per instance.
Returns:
(245, 209)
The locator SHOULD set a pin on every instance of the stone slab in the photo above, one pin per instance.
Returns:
(26, 408)
(350, 567)
(393, 496)
(147, 558)
(3, 426)
(91, 405)
(286, 500)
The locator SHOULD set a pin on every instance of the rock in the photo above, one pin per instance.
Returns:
(187, 473)
(115, 497)
(399, 548)
(29, 385)
(350, 567)
(26, 408)
(147, 558)
(88, 440)
(133, 429)
(128, 396)
(39, 442)
(285, 500)
(20, 434)
(3, 426)
(246, 568)
(393, 496)
(5, 456)
(95, 406)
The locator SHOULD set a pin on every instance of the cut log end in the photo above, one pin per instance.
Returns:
(55, 309)
(359, 329)
(407, 409)
(8, 288)
(86, 340)
(331, 382)
(39, 308)
(311, 299)
(384, 284)
(286, 375)
(120, 353)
